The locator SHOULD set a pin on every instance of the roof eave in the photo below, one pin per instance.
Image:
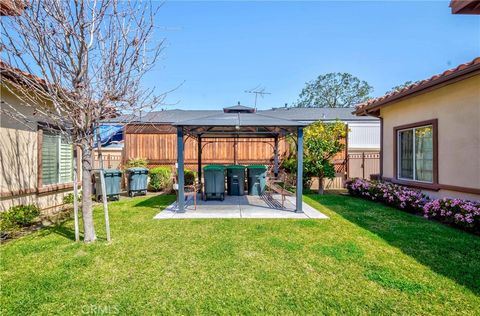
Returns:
(465, 6)
(431, 85)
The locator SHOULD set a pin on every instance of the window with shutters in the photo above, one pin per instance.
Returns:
(57, 159)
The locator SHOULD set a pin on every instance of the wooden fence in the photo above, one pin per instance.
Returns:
(363, 164)
(356, 165)
(112, 159)
(159, 147)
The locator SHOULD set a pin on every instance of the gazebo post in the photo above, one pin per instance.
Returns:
(275, 161)
(199, 161)
(180, 172)
(299, 201)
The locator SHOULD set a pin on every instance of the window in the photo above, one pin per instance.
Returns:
(415, 154)
(57, 159)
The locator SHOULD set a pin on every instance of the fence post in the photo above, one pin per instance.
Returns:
(363, 165)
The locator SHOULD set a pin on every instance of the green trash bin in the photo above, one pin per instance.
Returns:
(113, 179)
(137, 181)
(235, 180)
(257, 179)
(214, 176)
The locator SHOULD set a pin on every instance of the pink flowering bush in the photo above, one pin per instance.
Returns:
(410, 200)
(461, 213)
(465, 214)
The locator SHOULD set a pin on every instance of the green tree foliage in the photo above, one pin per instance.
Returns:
(322, 141)
(334, 90)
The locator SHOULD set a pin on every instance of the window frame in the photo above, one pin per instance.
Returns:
(43, 188)
(396, 161)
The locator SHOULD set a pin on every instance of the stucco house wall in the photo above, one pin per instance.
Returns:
(19, 163)
(456, 106)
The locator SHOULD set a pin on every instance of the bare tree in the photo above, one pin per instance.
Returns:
(88, 59)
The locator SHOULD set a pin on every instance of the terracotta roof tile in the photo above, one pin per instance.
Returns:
(362, 108)
(12, 73)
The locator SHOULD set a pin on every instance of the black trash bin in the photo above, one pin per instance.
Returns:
(137, 181)
(214, 176)
(257, 179)
(113, 179)
(235, 180)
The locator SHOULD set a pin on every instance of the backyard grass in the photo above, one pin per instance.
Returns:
(366, 259)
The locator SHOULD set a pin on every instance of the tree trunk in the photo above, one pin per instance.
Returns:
(87, 211)
(320, 185)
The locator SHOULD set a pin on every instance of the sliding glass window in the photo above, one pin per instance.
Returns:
(415, 154)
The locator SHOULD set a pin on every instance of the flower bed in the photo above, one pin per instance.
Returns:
(410, 200)
(460, 213)
(465, 214)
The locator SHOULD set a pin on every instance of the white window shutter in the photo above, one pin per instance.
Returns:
(66, 161)
(50, 159)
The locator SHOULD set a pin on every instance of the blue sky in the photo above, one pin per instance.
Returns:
(216, 50)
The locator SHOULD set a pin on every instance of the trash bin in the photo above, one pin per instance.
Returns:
(113, 179)
(214, 176)
(257, 179)
(235, 180)
(137, 181)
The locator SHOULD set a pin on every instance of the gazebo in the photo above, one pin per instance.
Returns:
(238, 122)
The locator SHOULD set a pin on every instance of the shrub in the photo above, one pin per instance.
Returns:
(18, 216)
(160, 178)
(460, 213)
(136, 162)
(7, 223)
(464, 214)
(189, 177)
(68, 199)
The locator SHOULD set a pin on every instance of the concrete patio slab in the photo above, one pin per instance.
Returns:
(247, 206)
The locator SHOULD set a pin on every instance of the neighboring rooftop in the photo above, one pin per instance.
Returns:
(460, 72)
(164, 116)
(295, 114)
(311, 114)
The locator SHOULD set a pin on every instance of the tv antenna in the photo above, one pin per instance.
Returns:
(258, 91)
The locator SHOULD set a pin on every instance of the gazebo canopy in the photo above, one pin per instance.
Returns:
(239, 123)
(239, 109)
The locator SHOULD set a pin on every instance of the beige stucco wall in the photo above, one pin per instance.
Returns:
(19, 160)
(457, 108)
(50, 202)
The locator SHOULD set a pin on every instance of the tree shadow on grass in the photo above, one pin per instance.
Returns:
(59, 229)
(62, 229)
(445, 250)
(156, 201)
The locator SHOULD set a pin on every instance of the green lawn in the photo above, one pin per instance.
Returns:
(367, 258)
